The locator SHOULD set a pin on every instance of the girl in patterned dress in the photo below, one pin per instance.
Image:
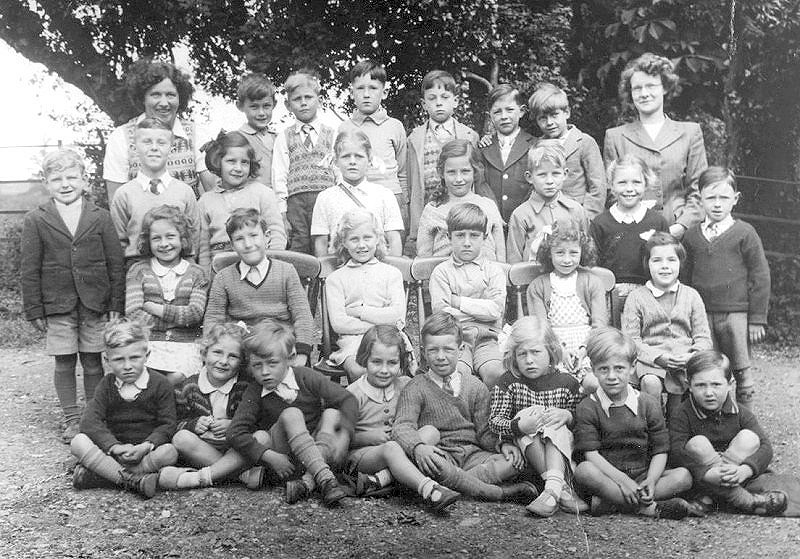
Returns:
(533, 405)
(568, 296)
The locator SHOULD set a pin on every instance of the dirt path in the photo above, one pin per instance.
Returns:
(42, 516)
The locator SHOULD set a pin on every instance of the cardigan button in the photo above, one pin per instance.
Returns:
(505, 176)
(386, 410)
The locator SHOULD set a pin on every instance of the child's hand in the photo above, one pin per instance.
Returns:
(756, 333)
(514, 455)
(427, 458)
(119, 449)
(354, 311)
(40, 324)
(555, 418)
(279, 463)
(203, 424)
(677, 361)
(485, 142)
(629, 489)
(530, 424)
(219, 427)
(646, 492)
(455, 301)
(153, 308)
(135, 455)
(112, 315)
(736, 475)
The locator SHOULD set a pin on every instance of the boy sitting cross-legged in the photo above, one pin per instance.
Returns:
(292, 416)
(126, 428)
(258, 287)
(442, 424)
(473, 290)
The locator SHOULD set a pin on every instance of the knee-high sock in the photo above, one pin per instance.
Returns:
(164, 455)
(64, 380)
(457, 479)
(101, 463)
(92, 373)
(306, 450)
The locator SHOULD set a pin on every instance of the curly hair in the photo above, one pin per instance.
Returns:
(61, 160)
(653, 65)
(173, 215)
(531, 329)
(456, 148)
(389, 336)
(218, 147)
(631, 160)
(145, 73)
(567, 232)
(351, 220)
(218, 331)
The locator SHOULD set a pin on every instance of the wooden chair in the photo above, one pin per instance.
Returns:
(606, 276)
(421, 269)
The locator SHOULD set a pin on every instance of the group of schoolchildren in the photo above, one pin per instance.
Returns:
(555, 399)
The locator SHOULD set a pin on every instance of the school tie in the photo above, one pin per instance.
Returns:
(307, 141)
(447, 387)
(442, 134)
(712, 231)
(254, 276)
(154, 186)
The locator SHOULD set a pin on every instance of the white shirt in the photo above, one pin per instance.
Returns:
(455, 381)
(631, 402)
(280, 161)
(378, 395)
(287, 390)
(635, 216)
(218, 395)
(164, 180)
(129, 391)
(262, 268)
(168, 278)
(506, 142)
(719, 227)
(70, 213)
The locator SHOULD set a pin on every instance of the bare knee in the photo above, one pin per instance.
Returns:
(167, 452)
(698, 446)
(291, 416)
(746, 442)
(490, 372)
(80, 444)
(429, 435)
(586, 472)
(682, 479)
(651, 384)
(184, 440)
(330, 421)
(392, 450)
(262, 438)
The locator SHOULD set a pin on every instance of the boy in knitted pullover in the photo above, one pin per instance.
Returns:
(126, 428)
(442, 423)
(727, 265)
(292, 416)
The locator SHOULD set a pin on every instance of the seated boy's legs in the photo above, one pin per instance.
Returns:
(299, 208)
(487, 361)
(730, 334)
(332, 440)
(745, 443)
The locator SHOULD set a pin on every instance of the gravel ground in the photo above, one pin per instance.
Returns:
(41, 515)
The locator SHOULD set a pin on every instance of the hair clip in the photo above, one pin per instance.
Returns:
(213, 142)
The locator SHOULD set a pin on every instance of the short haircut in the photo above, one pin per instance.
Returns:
(631, 160)
(355, 136)
(145, 73)
(504, 90)
(218, 147)
(606, 342)
(550, 153)
(176, 217)
(304, 77)
(370, 68)
(567, 231)
(442, 324)
(536, 330)
(214, 334)
(456, 148)
(389, 336)
(351, 220)
(547, 99)
(660, 239)
(706, 360)
(123, 332)
(441, 78)
(653, 65)
(263, 338)
(148, 123)
(466, 217)
(61, 160)
(254, 87)
(244, 217)
(714, 175)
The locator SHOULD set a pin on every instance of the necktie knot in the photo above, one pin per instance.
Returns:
(447, 386)
(307, 129)
(154, 185)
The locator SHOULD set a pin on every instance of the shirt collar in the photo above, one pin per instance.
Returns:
(377, 395)
(449, 125)
(455, 377)
(353, 264)
(480, 261)
(729, 407)
(262, 267)
(657, 292)
(635, 216)
(289, 382)
(631, 402)
(207, 388)
(315, 123)
(73, 207)
(247, 129)
(721, 226)
(510, 139)
(538, 202)
(140, 382)
(144, 181)
(160, 270)
(378, 117)
(359, 186)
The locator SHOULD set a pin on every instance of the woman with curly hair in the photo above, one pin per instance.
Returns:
(161, 91)
(674, 150)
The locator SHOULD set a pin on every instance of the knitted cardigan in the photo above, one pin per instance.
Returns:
(192, 404)
(589, 289)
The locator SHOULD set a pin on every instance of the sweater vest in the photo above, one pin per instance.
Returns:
(306, 174)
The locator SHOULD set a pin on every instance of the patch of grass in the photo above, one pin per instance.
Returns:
(15, 331)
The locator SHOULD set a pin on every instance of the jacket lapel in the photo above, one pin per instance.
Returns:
(669, 134)
(519, 149)
(492, 154)
(572, 141)
(88, 217)
(53, 218)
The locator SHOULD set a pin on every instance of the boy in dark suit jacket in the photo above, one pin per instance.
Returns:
(72, 278)
(505, 158)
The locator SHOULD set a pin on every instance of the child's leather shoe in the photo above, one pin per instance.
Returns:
(770, 503)
(545, 505)
(331, 492)
(253, 478)
(441, 498)
(296, 491)
(523, 492)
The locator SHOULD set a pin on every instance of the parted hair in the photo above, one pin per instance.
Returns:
(466, 217)
(145, 73)
(456, 148)
(607, 342)
(714, 175)
(389, 336)
(371, 68)
(149, 123)
(254, 87)
(708, 359)
(218, 331)
(549, 152)
(442, 324)
(631, 160)
(660, 239)
(265, 337)
(531, 329)
(546, 99)
(173, 215)
(441, 78)
(301, 78)
(217, 148)
(654, 65)
(242, 217)
(355, 136)
(122, 332)
(566, 231)
(504, 90)
(351, 220)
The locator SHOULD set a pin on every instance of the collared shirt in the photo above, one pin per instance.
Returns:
(129, 391)
(218, 395)
(377, 395)
(164, 181)
(387, 136)
(635, 216)
(631, 401)
(70, 213)
(443, 131)
(168, 277)
(657, 292)
(729, 407)
(480, 286)
(280, 160)
(713, 229)
(287, 390)
(505, 143)
(455, 381)
(263, 143)
(262, 268)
